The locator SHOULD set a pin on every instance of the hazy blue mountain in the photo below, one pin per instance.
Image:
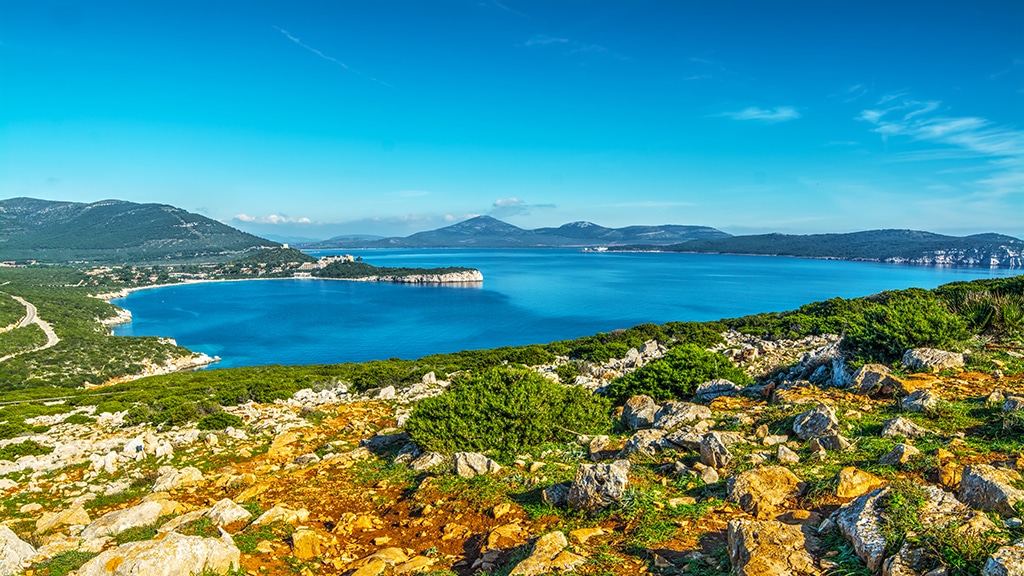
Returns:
(488, 232)
(115, 232)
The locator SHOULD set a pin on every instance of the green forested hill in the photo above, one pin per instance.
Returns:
(908, 246)
(116, 232)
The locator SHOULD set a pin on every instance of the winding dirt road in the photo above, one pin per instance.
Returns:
(31, 317)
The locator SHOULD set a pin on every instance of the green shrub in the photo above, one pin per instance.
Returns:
(904, 320)
(79, 419)
(703, 334)
(181, 414)
(507, 411)
(26, 448)
(567, 373)
(219, 421)
(677, 374)
(12, 429)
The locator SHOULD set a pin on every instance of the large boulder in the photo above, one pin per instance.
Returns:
(863, 520)
(762, 491)
(470, 464)
(548, 557)
(713, 451)
(13, 552)
(173, 555)
(853, 483)
(113, 523)
(901, 427)
(817, 422)
(282, 514)
(675, 414)
(598, 485)
(1006, 561)
(639, 412)
(717, 388)
(226, 512)
(875, 378)
(770, 548)
(169, 478)
(922, 400)
(426, 461)
(72, 516)
(986, 487)
(932, 360)
(647, 442)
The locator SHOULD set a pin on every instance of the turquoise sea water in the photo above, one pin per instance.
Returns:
(528, 296)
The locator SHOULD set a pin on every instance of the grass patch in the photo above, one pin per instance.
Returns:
(63, 563)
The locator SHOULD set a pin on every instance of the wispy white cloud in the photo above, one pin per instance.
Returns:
(272, 219)
(544, 40)
(1001, 147)
(571, 46)
(769, 115)
(330, 58)
(512, 206)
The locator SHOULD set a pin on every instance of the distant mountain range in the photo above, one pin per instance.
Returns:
(116, 232)
(896, 246)
(488, 232)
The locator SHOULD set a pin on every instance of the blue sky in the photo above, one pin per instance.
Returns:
(387, 117)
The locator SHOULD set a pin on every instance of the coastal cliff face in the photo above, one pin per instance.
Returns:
(999, 257)
(468, 276)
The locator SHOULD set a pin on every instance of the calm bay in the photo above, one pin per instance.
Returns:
(528, 296)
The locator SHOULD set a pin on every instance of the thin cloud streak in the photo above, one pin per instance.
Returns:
(769, 115)
(330, 58)
(966, 137)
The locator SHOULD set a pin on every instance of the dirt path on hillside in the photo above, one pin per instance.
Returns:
(32, 317)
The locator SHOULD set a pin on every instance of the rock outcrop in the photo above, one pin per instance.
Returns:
(174, 555)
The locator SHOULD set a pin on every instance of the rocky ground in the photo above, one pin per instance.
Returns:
(895, 473)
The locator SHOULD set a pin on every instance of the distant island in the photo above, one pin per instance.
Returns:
(891, 246)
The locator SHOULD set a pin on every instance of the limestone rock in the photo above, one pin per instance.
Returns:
(770, 548)
(897, 427)
(75, 515)
(601, 448)
(305, 544)
(717, 388)
(985, 487)
(786, 456)
(1006, 561)
(815, 423)
(875, 378)
(922, 400)
(932, 359)
(675, 414)
(762, 490)
(556, 495)
(470, 464)
(179, 521)
(173, 555)
(113, 523)
(862, 520)
(713, 451)
(13, 552)
(226, 512)
(549, 555)
(647, 442)
(639, 412)
(170, 478)
(282, 514)
(598, 485)
(854, 483)
(901, 454)
(427, 461)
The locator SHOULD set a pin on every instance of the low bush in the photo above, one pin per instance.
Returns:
(677, 374)
(903, 320)
(219, 421)
(506, 411)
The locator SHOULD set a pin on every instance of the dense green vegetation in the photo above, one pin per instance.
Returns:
(506, 411)
(677, 374)
(275, 257)
(21, 339)
(11, 311)
(113, 231)
(343, 269)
